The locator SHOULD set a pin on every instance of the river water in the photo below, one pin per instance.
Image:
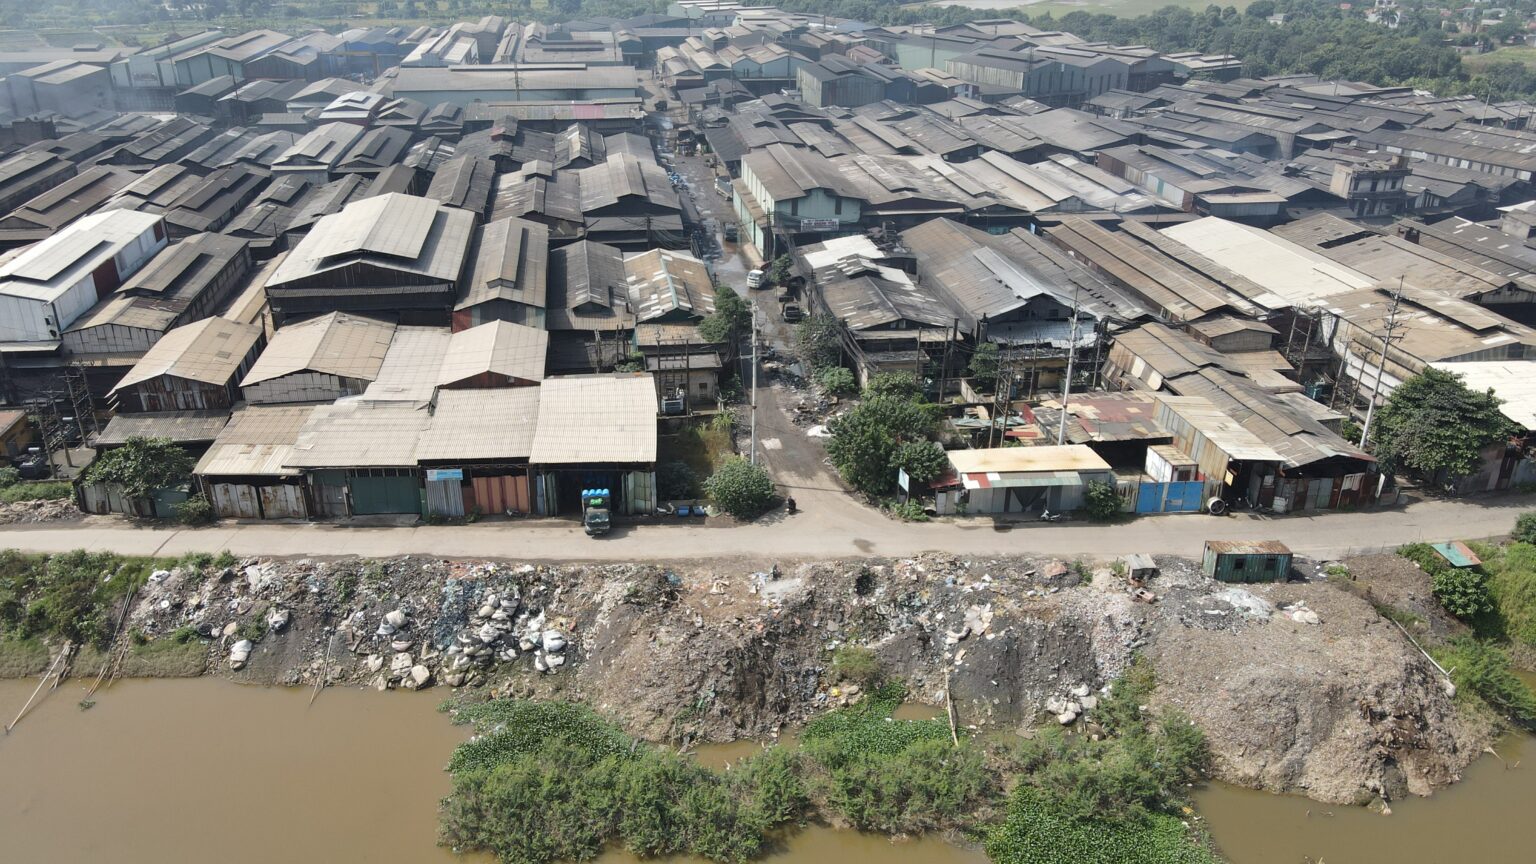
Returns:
(203, 769)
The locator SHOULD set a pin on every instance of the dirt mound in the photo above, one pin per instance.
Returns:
(1343, 710)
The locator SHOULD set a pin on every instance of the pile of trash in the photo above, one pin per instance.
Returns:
(34, 512)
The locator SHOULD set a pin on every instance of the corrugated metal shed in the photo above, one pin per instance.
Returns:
(596, 419)
(511, 263)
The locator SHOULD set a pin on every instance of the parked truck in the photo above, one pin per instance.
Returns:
(596, 517)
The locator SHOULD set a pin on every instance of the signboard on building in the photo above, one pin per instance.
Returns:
(819, 224)
(445, 474)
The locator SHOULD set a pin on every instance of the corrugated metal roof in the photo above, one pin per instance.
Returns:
(500, 347)
(663, 281)
(180, 426)
(481, 424)
(1007, 460)
(409, 372)
(256, 442)
(393, 232)
(360, 433)
(45, 270)
(596, 419)
(209, 351)
(1219, 428)
(339, 344)
(511, 263)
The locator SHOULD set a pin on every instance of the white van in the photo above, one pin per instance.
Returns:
(755, 279)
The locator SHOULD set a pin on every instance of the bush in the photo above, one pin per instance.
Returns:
(68, 596)
(857, 664)
(1482, 670)
(818, 340)
(740, 488)
(895, 776)
(1525, 528)
(196, 510)
(901, 385)
(1037, 831)
(836, 380)
(554, 781)
(9, 476)
(47, 490)
(1100, 501)
(1463, 592)
(676, 480)
(910, 510)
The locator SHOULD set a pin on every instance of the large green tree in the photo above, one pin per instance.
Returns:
(141, 466)
(731, 319)
(1433, 422)
(866, 442)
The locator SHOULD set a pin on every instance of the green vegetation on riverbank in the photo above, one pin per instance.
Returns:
(75, 595)
(542, 782)
(1497, 600)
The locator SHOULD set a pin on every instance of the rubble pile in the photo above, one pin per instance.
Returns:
(35, 512)
(717, 654)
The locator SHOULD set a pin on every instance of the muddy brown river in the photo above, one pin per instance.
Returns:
(204, 769)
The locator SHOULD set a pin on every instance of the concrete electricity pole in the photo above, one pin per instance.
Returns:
(754, 380)
(1381, 368)
(1066, 384)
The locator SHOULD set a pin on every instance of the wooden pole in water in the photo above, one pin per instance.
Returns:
(117, 633)
(949, 707)
(325, 669)
(46, 675)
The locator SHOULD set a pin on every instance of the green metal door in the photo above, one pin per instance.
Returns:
(371, 495)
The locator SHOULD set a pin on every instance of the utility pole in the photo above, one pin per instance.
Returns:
(754, 382)
(1066, 384)
(1381, 368)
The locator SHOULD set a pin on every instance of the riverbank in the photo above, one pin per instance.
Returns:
(1346, 709)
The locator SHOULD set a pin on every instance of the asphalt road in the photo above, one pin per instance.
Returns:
(829, 525)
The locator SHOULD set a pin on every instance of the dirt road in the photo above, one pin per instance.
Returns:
(827, 526)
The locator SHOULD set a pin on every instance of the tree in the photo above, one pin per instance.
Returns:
(1433, 424)
(1101, 501)
(819, 340)
(732, 317)
(141, 466)
(902, 385)
(864, 441)
(922, 460)
(835, 380)
(781, 269)
(984, 362)
(740, 488)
